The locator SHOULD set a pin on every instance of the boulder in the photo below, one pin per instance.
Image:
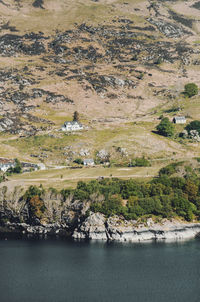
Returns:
(92, 228)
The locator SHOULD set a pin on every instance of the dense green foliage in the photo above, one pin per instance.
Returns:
(35, 203)
(33, 191)
(17, 169)
(194, 125)
(78, 161)
(169, 169)
(140, 162)
(191, 89)
(164, 196)
(165, 128)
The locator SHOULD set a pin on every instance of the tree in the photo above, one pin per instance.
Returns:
(78, 161)
(18, 166)
(17, 169)
(36, 207)
(191, 89)
(194, 125)
(76, 116)
(191, 190)
(165, 128)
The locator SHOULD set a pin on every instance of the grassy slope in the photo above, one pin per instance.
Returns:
(63, 178)
(137, 138)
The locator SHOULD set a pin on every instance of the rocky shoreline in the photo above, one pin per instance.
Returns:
(97, 227)
(69, 218)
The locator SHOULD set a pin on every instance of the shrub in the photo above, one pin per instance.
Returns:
(36, 207)
(165, 128)
(2, 178)
(170, 169)
(191, 89)
(35, 203)
(17, 169)
(140, 162)
(194, 125)
(110, 207)
(78, 161)
(33, 191)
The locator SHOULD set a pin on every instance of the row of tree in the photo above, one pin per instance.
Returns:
(163, 196)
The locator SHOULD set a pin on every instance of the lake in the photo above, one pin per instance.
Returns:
(62, 271)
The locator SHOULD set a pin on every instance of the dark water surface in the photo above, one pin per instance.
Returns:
(62, 271)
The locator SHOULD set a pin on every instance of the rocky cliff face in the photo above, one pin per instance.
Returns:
(59, 217)
(96, 227)
(70, 218)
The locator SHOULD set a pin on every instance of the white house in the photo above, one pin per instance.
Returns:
(179, 120)
(5, 164)
(72, 126)
(88, 162)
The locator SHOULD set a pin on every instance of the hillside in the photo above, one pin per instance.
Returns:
(120, 64)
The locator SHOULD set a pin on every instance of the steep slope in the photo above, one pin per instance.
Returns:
(113, 61)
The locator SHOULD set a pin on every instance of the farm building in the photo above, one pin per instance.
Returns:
(88, 162)
(179, 120)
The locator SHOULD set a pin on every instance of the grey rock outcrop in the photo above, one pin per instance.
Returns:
(103, 155)
(84, 152)
(92, 228)
(97, 227)
(192, 134)
(170, 30)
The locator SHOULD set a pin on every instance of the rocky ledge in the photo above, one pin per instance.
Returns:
(68, 217)
(97, 227)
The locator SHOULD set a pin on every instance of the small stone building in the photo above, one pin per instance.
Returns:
(179, 120)
(88, 162)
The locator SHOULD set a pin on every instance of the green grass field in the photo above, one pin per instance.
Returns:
(61, 178)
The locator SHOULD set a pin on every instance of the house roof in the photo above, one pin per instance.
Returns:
(72, 123)
(89, 160)
(180, 118)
